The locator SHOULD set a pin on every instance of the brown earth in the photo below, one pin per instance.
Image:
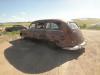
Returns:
(23, 57)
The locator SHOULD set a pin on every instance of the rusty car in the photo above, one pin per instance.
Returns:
(66, 35)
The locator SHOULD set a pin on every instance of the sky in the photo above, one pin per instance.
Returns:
(30, 10)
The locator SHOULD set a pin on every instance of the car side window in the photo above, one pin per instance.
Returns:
(32, 25)
(40, 26)
(52, 26)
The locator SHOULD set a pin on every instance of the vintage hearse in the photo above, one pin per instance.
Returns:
(66, 35)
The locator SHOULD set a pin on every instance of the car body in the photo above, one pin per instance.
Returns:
(66, 35)
(15, 28)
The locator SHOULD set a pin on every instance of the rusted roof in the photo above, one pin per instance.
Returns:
(49, 20)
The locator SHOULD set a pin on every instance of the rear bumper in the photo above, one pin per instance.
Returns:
(80, 46)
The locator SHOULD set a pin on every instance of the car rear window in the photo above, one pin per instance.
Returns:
(73, 25)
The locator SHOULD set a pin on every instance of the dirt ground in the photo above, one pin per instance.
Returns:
(23, 57)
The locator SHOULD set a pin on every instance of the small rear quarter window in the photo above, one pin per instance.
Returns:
(73, 25)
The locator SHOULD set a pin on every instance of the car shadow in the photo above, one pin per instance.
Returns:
(32, 58)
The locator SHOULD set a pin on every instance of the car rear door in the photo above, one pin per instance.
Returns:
(37, 30)
(54, 33)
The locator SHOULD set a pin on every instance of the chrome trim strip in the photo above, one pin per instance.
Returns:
(76, 47)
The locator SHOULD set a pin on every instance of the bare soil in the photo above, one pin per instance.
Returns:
(25, 57)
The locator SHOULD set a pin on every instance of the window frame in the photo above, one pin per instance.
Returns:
(51, 26)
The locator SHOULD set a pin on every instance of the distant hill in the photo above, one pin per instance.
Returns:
(10, 24)
(87, 22)
(79, 21)
(16, 23)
